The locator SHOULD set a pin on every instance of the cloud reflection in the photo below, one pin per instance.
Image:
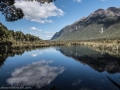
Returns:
(36, 74)
(76, 82)
(34, 55)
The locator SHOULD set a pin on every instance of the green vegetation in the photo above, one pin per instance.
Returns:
(10, 38)
(98, 25)
(91, 32)
(10, 35)
(18, 40)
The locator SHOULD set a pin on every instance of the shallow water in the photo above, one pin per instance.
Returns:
(59, 68)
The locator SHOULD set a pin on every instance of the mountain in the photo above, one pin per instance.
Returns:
(101, 24)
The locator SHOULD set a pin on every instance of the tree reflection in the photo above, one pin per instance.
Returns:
(4, 54)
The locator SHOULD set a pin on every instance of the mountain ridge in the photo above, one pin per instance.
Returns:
(97, 23)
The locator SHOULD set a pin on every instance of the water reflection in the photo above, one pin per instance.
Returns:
(12, 52)
(96, 60)
(77, 82)
(37, 68)
(36, 54)
(37, 74)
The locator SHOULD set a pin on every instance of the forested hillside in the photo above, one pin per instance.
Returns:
(101, 24)
(18, 36)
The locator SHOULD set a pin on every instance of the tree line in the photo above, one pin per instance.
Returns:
(18, 36)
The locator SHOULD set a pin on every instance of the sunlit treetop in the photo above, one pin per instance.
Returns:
(12, 13)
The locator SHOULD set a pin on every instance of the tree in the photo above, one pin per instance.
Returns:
(12, 13)
(9, 10)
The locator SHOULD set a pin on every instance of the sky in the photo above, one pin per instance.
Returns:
(44, 20)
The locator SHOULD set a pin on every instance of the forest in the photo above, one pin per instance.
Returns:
(10, 38)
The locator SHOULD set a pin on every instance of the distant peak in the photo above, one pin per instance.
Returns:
(114, 9)
(111, 8)
(99, 10)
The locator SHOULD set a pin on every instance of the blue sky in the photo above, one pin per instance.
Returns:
(44, 20)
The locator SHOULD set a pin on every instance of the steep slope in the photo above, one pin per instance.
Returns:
(100, 24)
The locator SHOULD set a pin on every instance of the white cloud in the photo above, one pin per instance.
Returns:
(37, 74)
(40, 30)
(41, 21)
(34, 28)
(43, 34)
(48, 36)
(77, 0)
(39, 13)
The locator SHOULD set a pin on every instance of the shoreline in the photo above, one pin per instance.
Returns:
(103, 46)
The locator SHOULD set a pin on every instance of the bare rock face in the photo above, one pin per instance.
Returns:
(109, 13)
(112, 12)
(97, 13)
(114, 9)
(103, 15)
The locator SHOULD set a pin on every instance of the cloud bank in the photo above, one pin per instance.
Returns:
(41, 33)
(39, 13)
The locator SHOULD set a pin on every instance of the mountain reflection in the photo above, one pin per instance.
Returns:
(96, 60)
(37, 74)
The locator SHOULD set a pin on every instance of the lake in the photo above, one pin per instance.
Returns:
(59, 68)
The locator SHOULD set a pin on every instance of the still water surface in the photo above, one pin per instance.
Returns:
(60, 68)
